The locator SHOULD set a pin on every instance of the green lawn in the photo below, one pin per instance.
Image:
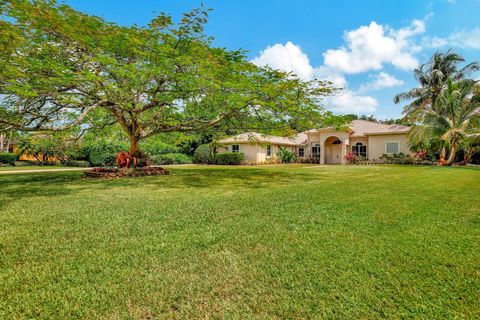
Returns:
(342, 242)
(11, 168)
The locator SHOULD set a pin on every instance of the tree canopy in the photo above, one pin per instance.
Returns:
(445, 108)
(62, 68)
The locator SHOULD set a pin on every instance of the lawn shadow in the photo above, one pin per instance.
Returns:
(16, 187)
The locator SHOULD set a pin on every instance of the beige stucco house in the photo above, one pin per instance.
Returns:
(364, 138)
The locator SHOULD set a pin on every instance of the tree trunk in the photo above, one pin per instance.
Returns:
(451, 157)
(134, 147)
(2, 138)
(9, 141)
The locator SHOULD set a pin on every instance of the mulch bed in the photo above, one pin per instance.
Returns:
(111, 173)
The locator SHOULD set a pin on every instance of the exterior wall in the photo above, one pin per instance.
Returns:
(257, 153)
(251, 151)
(321, 138)
(377, 144)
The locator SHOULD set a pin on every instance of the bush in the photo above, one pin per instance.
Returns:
(29, 163)
(397, 158)
(230, 158)
(8, 158)
(103, 153)
(204, 154)
(170, 158)
(285, 156)
(155, 148)
(351, 158)
(76, 163)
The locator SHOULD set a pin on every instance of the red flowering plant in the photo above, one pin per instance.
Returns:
(420, 155)
(351, 157)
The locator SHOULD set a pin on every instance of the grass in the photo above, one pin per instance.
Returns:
(12, 168)
(342, 242)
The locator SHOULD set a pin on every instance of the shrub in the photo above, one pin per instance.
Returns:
(397, 158)
(76, 163)
(28, 163)
(285, 156)
(170, 158)
(155, 147)
(351, 157)
(204, 154)
(230, 158)
(103, 153)
(8, 158)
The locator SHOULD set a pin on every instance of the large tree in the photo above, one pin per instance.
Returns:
(454, 121)
(62, 68)
(433, 77)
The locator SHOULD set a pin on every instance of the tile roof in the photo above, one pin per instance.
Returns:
(362, 128)
(359, 128)
(248, 137)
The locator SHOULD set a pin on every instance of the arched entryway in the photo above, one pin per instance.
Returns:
(333, 150)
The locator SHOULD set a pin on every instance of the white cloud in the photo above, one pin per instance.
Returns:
(288, 57)
(460, 39)
(381, 80)
(369, 47)
(348, 102)
(326, 73)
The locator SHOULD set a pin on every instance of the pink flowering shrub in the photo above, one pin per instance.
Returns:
(351, 157)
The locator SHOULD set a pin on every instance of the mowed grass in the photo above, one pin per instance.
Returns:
(343, 242)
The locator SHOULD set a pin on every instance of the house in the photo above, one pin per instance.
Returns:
(327, 145)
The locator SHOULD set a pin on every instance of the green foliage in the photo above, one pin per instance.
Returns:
(30, 163)
(156, 147)
(285, 155)
(171, 158)
(8, 158)
(204, 154)
(164, 77)
(230, 158)
(103, 152)
(444, 106)
(76, 163)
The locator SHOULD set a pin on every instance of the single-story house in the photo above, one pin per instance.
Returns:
(329, 146)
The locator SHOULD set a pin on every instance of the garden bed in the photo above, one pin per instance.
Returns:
(111, 173)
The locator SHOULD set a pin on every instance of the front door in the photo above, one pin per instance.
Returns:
(334, 154)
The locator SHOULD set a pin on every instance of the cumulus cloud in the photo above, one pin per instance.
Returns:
(288, 57)
(381, 80)
(349, 102)
(369, 47)
(460, 39)
(326, 73)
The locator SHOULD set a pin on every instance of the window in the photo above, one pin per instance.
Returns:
(301, 152)
(316, 150)
(392, 147)
(235, 148)
(359, 149)
(269, 151)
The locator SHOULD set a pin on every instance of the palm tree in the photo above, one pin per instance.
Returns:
(453, 119)
(433, 77)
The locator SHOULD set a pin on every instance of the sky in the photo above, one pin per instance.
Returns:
(367, 47)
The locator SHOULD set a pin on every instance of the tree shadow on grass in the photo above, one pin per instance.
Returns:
(16, 187)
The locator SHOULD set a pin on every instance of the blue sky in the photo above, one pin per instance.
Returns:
(368, 47)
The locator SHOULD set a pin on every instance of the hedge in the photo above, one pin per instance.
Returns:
(230, 158)
(8, 158)
(27, 163)
(76, 163)
(170, 158)
(204, 154)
